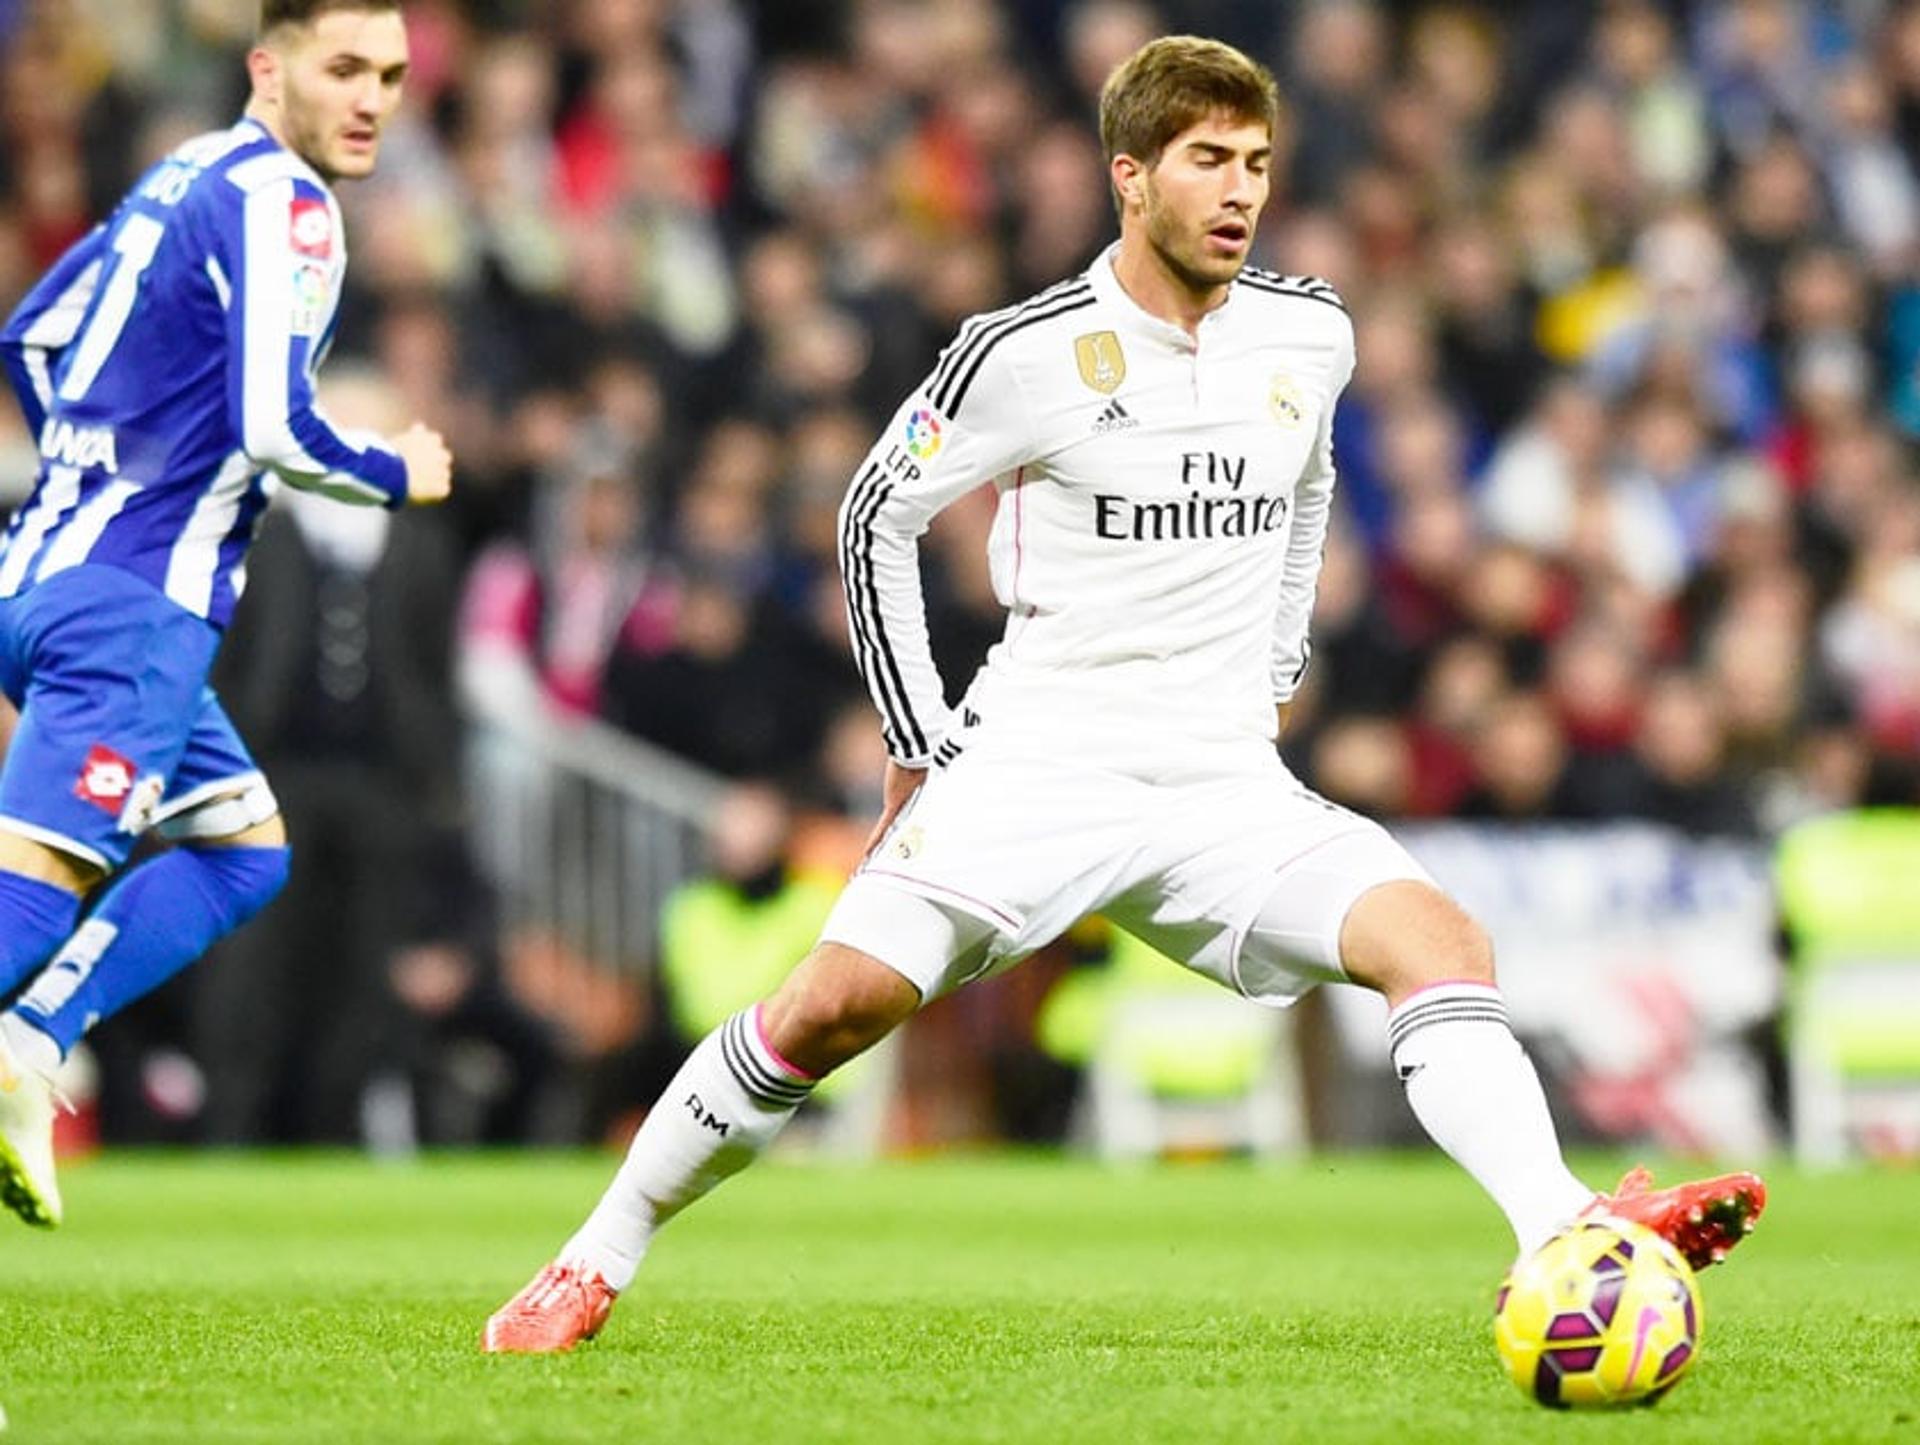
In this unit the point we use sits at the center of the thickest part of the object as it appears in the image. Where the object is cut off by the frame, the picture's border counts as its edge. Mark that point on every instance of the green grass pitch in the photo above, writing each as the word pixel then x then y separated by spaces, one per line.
pixel 996 1298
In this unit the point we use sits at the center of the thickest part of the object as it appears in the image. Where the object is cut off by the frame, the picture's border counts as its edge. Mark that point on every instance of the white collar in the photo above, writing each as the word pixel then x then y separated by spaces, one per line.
pixel 1107 288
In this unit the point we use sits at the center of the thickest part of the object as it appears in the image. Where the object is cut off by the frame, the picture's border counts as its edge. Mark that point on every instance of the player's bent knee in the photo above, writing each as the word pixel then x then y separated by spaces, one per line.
pixel 1402 936
pixel 930 945
pixel 836 1004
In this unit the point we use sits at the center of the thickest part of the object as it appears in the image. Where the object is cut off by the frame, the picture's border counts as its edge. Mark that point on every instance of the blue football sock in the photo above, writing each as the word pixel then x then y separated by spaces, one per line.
pixel 35 919
pixel 153 922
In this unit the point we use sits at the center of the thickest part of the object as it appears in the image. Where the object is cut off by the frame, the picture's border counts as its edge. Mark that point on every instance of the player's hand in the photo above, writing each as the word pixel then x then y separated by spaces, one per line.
pixel 901 784
pixel 1282 714
pixel 429 463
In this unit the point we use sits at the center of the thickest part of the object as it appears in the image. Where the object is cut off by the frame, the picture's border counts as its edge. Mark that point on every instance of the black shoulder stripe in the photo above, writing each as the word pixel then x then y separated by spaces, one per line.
pixel 954 356
pixel 1305 283
pixel 981 330
pixel 1321 292
pixel 973 345
pixel 951 407
pixel 950 356
pixel 1290 282
pixel 1263 273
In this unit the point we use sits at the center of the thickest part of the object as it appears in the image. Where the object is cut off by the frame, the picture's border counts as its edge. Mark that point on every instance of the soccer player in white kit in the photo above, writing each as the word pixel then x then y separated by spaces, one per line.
pixel 1158 430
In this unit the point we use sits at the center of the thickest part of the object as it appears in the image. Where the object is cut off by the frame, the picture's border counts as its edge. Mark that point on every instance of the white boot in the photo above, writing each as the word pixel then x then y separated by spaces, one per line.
pixel 27 1184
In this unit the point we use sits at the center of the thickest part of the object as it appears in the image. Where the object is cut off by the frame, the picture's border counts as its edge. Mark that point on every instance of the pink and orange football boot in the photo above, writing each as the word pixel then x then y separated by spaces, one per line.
pixel 1703 1219
pixel 561 1306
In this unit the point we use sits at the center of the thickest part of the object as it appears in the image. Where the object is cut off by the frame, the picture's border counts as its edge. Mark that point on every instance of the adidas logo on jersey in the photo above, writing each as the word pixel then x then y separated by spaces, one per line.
pixel 1113 417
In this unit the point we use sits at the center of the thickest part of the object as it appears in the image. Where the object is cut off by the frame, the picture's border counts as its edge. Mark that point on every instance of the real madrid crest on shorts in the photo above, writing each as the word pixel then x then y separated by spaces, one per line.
pixel 1284 400
pixel 1103 366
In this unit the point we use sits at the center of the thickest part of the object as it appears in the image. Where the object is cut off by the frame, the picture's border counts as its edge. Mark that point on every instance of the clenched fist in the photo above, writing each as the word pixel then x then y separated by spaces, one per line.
pixel 429 463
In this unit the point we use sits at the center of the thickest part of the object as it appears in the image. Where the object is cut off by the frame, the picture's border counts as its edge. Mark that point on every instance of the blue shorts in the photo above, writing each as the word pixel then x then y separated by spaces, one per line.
pixel 118 728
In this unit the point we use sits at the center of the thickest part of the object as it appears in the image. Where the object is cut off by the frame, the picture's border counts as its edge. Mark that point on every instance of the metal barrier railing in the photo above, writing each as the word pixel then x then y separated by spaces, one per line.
pixel 582 830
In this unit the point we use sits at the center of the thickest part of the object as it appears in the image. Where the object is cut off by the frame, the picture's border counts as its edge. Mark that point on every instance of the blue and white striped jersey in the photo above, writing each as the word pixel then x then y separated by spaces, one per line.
pixel 167 363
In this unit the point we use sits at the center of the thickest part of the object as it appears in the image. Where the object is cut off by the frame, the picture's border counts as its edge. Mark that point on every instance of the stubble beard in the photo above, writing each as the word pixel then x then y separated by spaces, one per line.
pixel 308 136
pixel 1186 267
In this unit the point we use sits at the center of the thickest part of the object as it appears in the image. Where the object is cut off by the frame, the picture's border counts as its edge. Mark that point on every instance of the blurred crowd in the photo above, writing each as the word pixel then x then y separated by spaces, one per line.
pixel 1627 521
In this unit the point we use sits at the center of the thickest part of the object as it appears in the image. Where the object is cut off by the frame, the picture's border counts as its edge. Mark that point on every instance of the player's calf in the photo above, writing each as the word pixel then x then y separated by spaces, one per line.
pixel 837 1003
pixel 1404 936
pixel 152 922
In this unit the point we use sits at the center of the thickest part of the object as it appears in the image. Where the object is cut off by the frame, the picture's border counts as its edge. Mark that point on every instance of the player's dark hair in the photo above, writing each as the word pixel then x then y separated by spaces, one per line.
pixel 1177 81
pixel 275 13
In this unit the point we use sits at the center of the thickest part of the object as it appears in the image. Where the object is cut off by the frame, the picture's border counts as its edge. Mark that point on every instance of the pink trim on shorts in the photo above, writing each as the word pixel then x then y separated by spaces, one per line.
pixel 998 915
pixel 760 1032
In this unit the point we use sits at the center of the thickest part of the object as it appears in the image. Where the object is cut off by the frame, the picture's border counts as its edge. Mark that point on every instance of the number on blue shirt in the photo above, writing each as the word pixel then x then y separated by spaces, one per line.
pixel 133 247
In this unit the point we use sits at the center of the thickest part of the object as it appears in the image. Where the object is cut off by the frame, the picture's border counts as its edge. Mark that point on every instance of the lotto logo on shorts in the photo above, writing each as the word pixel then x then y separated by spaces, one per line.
pixel 106 779
pixel 312 228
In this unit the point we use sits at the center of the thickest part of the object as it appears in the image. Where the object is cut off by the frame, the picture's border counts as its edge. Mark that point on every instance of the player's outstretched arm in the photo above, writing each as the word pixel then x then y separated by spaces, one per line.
pixel 429 464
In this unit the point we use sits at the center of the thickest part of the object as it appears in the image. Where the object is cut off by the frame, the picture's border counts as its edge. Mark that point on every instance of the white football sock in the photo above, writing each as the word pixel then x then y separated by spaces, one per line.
pixel 727 1103
pixel 1474 1090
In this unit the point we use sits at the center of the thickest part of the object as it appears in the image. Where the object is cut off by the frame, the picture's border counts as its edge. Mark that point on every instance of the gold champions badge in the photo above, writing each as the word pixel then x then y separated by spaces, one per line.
pixel 1103 366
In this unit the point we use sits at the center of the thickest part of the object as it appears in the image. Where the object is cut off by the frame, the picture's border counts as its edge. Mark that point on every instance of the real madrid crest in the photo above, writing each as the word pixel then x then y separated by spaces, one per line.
pixel 1103 366
pixel 1289 408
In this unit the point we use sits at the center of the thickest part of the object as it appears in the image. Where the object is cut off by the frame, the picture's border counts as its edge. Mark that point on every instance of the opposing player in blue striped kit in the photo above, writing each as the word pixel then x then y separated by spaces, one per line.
pixel 167 364
pixel 1159 432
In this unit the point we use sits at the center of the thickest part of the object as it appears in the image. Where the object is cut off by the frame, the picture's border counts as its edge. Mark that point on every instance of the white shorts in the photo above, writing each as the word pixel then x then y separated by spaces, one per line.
pixel 1226 863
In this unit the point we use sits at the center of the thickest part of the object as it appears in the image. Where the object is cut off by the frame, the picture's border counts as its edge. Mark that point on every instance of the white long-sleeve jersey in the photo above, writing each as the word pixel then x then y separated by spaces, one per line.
pixel 1163 505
